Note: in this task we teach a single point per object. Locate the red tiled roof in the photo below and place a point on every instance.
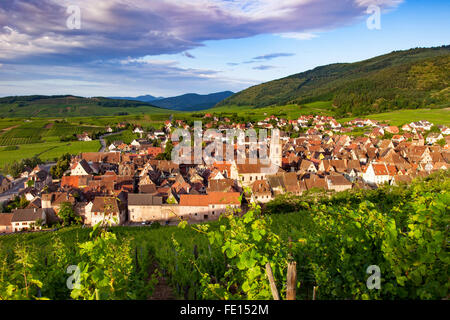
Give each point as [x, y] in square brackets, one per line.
[196, 200]
[380, 169]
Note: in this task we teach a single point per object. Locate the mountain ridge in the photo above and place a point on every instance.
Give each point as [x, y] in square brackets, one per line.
[184, 102]
[401, 79]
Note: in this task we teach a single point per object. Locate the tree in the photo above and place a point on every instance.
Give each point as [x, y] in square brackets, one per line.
[63, 164]
[68, 215]
[167, 154]
[441, 142]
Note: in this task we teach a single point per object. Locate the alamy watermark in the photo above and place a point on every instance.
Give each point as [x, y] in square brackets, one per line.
[374, 281]
[73, 281]
[241, 146]
[73, 22]
[373, 22]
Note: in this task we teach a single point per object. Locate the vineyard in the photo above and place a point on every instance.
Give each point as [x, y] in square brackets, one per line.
[403, 230]
[43, 138]
[23, 134]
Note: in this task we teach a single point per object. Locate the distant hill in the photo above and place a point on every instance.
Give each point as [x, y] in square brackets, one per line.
[401, 79]
[71, 106]
[192, 101]
[146, 98]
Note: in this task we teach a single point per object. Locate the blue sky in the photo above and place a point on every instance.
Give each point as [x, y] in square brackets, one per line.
[171, 47]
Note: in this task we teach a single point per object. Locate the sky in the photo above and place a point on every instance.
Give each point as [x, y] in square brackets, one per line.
[171, 47]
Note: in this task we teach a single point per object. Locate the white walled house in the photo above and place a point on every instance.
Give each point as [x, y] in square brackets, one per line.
[81, 168]
[377, 173]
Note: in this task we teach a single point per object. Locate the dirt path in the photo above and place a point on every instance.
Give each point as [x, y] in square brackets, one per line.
[10, 128]
[162, 290]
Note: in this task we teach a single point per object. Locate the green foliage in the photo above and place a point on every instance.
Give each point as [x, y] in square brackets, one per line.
[167, 154]
[333, 239]
[16, 168]
[441, 142]
[106, 269]
[63, 164]
[68, 215]
[20, 281]
[403, 230]
[247, 244]
[16, 203]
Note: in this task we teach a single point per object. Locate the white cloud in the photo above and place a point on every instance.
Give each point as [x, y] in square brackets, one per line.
[298, 35]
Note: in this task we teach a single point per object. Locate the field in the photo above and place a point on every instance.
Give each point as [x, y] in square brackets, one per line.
[126, 137]
[288, 111]
[400, 117]
[40, 137]
[47, 150]
[70, 106]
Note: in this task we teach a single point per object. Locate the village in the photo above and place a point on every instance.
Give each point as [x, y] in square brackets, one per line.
[138, 184]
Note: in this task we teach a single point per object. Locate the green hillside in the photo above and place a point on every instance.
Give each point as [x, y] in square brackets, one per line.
[399, 80]
[71, 106]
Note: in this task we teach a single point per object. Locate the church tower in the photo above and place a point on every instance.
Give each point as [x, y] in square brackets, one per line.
[275, 148]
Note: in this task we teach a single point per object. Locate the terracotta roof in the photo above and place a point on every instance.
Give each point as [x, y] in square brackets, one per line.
[261, 187]
[105, 204]
[380, 169]
[5, 219]
[338, 180]
[221, 185]
[228, 198]
[107, 157]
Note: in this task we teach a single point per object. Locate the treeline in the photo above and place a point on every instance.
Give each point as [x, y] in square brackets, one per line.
[16, 168]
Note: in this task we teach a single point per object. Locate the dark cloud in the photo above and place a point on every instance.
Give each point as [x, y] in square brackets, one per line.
[273, 56]
[262, 67]
[187, 54]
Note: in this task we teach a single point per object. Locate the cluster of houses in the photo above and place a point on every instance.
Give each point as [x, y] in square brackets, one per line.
[127, 184]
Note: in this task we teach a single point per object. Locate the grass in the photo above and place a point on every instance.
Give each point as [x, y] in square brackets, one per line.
[288, 111]
[47, 150]
[50, 108]
[126, 136]
[400, 117]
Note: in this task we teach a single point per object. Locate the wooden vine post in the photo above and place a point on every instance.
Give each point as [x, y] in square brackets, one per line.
[291, 281]
[273, 286]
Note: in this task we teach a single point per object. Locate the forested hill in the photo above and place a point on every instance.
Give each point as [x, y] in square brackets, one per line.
[401, 79]
[192, 101]
[71, 106]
